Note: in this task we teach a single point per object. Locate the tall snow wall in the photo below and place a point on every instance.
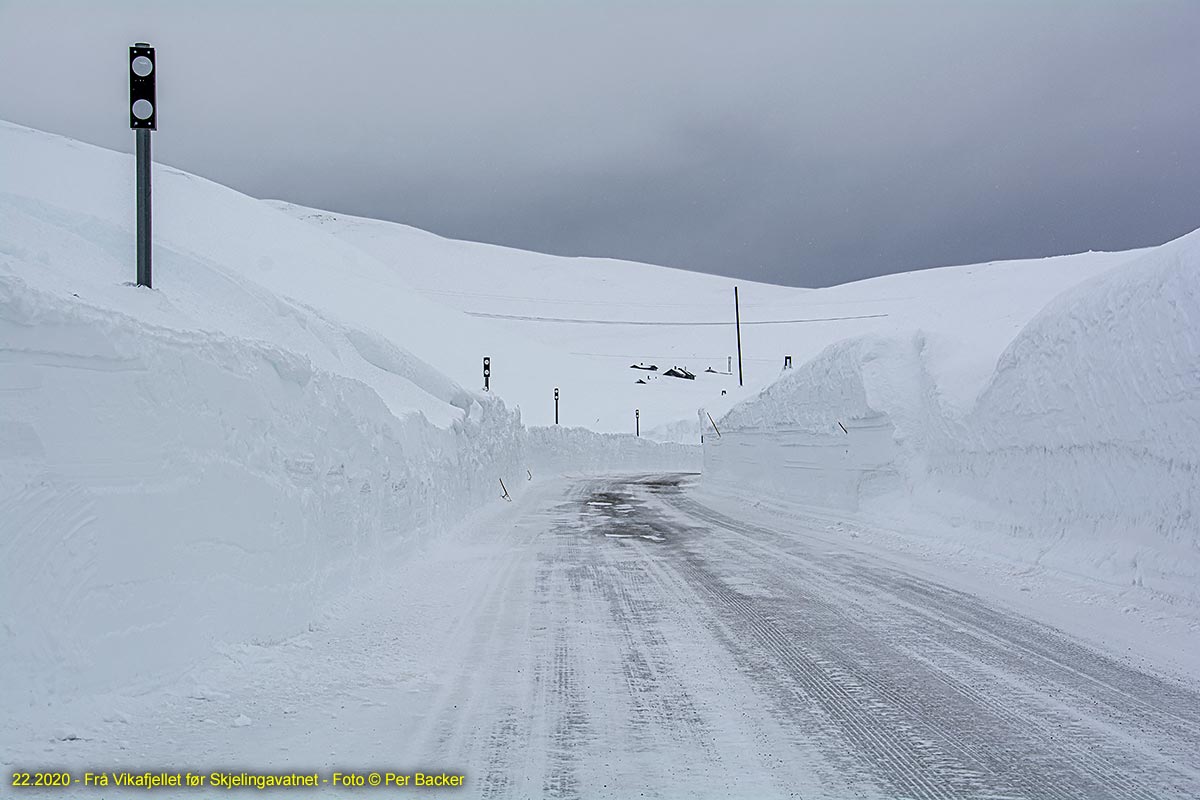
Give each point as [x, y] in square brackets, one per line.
[826, 433]
[1082, 452]
[164, 491]
[1090, 429]
[578, 450]
[213, 460]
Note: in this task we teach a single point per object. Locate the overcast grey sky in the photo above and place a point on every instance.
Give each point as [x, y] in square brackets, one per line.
[805, 143]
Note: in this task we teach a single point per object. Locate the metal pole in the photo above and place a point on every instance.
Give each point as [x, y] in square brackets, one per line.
[555, 406]
[737, 313]
[714, 424]
[142, 159]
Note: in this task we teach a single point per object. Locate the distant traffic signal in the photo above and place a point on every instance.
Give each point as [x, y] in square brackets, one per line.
[143, 118]
[143, 107]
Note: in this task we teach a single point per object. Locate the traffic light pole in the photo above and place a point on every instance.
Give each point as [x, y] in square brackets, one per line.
[143, 160]
[143, 119]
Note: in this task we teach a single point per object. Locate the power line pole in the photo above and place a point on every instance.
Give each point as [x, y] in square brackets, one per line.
[737, 314]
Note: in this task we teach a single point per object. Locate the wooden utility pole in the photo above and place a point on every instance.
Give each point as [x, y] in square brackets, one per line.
[737, 315]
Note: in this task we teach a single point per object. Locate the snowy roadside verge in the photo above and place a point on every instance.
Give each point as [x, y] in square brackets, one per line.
[163, 491]
[376, 653]
[1077, 459]
[167, 493]
[1151, 631]
[216, 459]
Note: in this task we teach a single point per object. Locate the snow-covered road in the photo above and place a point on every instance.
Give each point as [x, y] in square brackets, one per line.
[618, 638]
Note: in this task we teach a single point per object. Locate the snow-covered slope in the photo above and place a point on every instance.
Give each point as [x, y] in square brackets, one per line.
[1075, 448]
[666, 316]
[214, 459]
[226, 262]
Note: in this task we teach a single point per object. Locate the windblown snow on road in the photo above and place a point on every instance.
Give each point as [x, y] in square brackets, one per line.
[617, 637]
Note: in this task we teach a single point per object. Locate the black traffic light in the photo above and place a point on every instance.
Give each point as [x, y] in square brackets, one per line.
[143, 106]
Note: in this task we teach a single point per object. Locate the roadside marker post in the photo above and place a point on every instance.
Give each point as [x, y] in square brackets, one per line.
[487, 374]
[714, 424]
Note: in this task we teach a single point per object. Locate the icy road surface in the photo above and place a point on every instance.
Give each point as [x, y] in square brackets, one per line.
[616, 638]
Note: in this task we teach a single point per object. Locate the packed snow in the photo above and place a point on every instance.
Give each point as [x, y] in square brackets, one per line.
[1077, 451]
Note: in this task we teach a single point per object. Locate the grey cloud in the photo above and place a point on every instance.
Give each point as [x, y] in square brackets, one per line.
[803, 143]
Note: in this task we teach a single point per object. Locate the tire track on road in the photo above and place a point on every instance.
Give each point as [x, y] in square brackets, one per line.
[1065, 756]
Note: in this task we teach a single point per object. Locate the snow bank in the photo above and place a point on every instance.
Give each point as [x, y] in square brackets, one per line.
[1080, 452]
[210, 460]
[823, 434]
[213, 460]
[163, 491]
[1090, 429]
[560, 449]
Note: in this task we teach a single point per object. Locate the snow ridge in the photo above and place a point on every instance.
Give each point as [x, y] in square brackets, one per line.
[168, 491]
[1080, 453]
[217, 459]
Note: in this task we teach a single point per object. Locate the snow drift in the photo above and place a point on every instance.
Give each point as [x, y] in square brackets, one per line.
[1080, 451]
[1090, 429]
[578, 450]
[162, 491]
[823, 434]
[213, 460]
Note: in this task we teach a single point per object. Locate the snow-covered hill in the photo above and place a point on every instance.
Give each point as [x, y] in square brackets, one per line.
[643, 313]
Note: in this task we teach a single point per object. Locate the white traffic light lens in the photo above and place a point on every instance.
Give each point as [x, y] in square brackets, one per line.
[142, 67]
[142, 109]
